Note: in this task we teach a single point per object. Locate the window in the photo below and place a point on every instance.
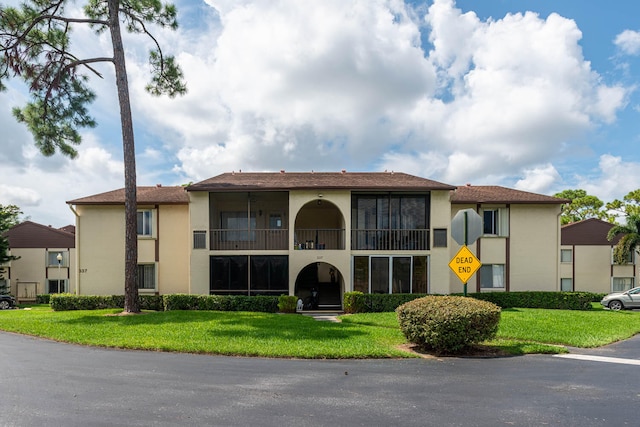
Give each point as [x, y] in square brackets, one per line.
[390, 274]
[566, 255]
[566, 285]
[492, 276]
[146, 276]
[629, 260]
[199, 239]
[241, 227]
[439, 237]
[144, 223]
[621, 284]
[56, 286]
[390, 221]
[52, 258]
[249, 275]
[495, 222]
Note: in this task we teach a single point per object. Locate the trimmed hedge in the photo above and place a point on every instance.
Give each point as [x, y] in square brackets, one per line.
[358, 302]
[535, 299]
[43, 298]
[448, 324]
[259, 303]
[64, 302]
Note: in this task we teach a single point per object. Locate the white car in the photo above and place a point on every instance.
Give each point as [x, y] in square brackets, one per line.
[622, 300]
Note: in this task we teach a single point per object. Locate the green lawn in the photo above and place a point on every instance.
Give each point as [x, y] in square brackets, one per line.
[377, 335]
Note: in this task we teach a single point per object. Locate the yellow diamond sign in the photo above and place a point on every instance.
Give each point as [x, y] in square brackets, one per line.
[464, 264]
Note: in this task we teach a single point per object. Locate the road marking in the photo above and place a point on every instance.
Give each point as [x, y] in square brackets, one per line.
[599, 359]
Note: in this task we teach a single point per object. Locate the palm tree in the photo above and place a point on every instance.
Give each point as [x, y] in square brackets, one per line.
[630, 240]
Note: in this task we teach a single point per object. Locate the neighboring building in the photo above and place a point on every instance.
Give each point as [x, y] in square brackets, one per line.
[46, 263]
[286, 233]
[163, 241]
[586, 259]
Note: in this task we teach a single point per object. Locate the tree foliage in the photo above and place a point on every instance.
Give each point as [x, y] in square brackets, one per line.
[35, 46]
[630, 241]
[629, 205]
[582, 206]
[9, 217]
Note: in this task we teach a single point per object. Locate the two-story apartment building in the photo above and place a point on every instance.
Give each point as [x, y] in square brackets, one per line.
[290, 232]
[46, 260]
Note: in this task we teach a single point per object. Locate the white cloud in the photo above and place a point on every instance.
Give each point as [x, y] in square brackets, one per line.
[539, 179]
[629, 42]
[613, 179]
[330, 85]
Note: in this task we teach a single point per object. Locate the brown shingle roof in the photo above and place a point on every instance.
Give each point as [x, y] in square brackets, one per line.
[33, 235]
[145, 195]
[496, 194]
[262, 181]
[590, 231]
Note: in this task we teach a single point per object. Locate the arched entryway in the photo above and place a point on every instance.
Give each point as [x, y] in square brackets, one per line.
[326, 280]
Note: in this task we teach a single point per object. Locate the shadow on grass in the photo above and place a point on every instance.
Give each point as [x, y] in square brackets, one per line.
[230, 324]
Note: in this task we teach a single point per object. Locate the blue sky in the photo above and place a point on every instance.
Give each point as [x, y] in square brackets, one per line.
[531, 94]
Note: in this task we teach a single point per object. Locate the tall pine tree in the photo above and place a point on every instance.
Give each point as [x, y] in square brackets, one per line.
[35, 47]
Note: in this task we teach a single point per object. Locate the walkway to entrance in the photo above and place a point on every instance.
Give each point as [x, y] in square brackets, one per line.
[326, 316]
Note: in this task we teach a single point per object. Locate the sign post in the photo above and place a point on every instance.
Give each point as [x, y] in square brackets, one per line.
[466, 227]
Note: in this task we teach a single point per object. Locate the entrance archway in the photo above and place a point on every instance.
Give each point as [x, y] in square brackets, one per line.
[326, 280]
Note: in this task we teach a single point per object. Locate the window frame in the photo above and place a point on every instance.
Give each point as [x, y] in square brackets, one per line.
[564, 251]
[147, 227]
[613, 284]
[570, 281]
[493, 275]
[154, 276]
[499, 222]
[630, 261]
[52, 258]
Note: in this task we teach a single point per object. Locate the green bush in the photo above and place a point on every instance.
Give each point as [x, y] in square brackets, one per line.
[448, 324]
[354, 302]
[287, 303]
[358, 302]
[539, 299]
[43, 298]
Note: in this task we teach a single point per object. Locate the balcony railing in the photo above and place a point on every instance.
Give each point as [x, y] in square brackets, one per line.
[319, 238]
[390, 240]
[247, 240]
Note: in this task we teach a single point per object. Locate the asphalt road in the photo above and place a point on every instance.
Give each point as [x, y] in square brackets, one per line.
[45, 383]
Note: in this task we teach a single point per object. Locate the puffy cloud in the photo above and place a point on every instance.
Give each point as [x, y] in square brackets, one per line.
[539, 179]
[628, 42]
[613, 179]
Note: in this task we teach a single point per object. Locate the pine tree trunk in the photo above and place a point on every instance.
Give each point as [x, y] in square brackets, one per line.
[131, 302]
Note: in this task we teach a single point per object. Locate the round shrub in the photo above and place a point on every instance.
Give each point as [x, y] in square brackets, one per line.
[448, 324]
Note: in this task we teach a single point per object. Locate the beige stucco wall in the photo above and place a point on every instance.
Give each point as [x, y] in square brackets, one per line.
[173, 249]
[592, 269]
[199, 261]
[299, 259]
[534, 241]
[100, 243]
[440, 277]
[32, 268]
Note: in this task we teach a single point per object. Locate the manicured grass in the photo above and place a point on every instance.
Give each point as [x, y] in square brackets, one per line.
[227, 333]
[375, 335]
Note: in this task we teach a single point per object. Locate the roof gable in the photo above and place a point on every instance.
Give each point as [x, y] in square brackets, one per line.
[590, 231]
[269, 181]
[497, 194]
[145, 195]
[33, 235]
